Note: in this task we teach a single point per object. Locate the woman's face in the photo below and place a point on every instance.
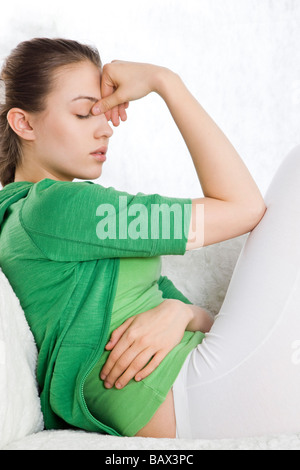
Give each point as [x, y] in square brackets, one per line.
[69, 141]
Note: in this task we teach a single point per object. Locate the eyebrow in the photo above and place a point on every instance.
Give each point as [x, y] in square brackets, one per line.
[90, 98]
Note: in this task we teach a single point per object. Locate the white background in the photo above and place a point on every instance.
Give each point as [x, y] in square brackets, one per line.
[240, 58]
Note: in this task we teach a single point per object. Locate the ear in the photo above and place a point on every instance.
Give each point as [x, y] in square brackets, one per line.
[19, 122]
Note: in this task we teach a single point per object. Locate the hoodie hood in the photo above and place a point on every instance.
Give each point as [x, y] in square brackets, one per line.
[12, 193]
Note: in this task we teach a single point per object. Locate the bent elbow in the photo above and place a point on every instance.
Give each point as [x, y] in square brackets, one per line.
[256, 213]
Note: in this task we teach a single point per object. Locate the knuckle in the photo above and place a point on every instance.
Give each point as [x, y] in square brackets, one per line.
[106, 67]
[131, 336]
[121, 97]
[121, 364]
[143, 341]
[105, 105]
[113, 357]
[137, 364]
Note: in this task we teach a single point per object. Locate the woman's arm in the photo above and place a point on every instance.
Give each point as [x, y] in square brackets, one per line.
[232, 202]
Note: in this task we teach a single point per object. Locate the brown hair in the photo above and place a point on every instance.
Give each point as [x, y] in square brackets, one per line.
[27, 78]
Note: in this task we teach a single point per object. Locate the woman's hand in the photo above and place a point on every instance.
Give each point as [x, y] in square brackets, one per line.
[122, 82]
[140, 344]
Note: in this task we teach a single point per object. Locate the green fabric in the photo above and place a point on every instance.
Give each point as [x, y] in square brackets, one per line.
[130, 409]
[65, 278]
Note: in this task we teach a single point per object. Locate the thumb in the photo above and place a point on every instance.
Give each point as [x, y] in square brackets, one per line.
[106, 104]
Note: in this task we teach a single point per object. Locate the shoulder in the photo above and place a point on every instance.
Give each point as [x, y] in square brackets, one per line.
[53, 192]
[50, 188]
[54, 199]
[57, 200]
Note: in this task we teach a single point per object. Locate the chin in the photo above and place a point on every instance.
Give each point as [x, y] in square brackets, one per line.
[90, 175]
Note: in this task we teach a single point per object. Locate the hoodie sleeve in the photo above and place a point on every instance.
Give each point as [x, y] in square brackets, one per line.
[170, 291]
[85, 221]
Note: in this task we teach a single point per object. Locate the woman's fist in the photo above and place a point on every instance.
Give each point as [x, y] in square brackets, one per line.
[122, 82]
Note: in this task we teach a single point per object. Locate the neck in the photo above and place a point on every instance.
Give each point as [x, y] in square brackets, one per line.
[34, 174]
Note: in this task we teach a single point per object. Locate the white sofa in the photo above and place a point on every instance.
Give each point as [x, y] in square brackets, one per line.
[202, 275]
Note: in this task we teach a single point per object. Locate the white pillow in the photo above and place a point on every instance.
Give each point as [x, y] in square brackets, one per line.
[20, 412]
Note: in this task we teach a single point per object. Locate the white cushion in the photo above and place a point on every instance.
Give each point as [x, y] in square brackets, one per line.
[20, 413]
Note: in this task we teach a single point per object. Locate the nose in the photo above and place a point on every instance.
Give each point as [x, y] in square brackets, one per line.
[102, 129]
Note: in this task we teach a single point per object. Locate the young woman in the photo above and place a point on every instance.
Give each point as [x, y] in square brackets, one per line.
[85, 274]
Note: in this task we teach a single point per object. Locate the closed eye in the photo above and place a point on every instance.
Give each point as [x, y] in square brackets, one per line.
[79, 116]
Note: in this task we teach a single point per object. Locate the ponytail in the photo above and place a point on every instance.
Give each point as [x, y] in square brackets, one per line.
[10, 149]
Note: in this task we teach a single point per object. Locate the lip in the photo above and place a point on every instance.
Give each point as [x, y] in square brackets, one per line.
[100, 154]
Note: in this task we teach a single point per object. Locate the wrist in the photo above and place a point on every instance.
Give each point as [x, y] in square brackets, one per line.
[163, 80]
[201, 320]
[180, 310]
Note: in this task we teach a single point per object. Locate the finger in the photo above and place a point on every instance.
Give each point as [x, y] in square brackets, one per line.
[96, 110]
[120, 366]
[108, 115]
[135, 367]
[123, 343]
[118, 333]
[108, 370]
[150, 367]
[108, 103]
[115, 116]
[122, 112]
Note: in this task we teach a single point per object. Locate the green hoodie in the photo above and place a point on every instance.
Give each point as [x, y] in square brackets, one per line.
[64, 272]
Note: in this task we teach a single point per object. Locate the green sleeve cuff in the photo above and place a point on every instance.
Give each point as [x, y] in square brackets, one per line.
[170, 291]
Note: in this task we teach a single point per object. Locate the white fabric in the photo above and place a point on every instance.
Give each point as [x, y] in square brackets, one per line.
[20, 413]
[79, 440]
[244, 379]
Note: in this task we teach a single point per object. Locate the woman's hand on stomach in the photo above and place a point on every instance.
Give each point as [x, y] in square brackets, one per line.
[140, 344]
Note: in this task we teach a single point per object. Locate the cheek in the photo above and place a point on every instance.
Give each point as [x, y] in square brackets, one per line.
[70, 134]
[58, 133]
[62, 139]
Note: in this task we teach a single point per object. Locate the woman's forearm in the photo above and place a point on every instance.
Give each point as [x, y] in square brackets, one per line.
[223, 176]
[220, 170]
[201, 321]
